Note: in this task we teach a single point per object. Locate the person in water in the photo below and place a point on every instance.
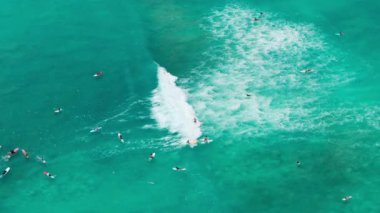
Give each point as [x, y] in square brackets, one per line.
[346, 198]
[205, 139]
[98, 74]
[11, 153]
[195, 120]
[120, 136]
[5, 172]
[41, 159]
[152, 156]
[58, 110]
[178, 168]
[298, 163]
[25, 153]
[49, 175]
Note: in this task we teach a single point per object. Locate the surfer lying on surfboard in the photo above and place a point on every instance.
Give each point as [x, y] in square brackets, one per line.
[152, 156]
[307, 71]
[5, 172]
[98, 74]
[120, 136]
[58, 110]
[176, 168]
[25, 153]
[11, 153]
[49, 175]
[41, 159]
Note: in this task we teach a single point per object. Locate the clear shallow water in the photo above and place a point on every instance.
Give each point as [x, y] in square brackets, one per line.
[328, 119]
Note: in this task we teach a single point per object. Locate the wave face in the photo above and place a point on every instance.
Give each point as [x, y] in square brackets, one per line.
[170, 107]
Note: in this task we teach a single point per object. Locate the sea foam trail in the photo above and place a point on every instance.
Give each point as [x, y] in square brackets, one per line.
[170, 107]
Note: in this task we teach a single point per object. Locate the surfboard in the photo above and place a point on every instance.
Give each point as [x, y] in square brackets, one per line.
[97, 129]
[6, 172]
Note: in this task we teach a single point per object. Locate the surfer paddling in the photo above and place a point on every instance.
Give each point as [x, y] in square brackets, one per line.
[307, 71]
[11, 153]
[98, 74]
[206, 140]
[120, 136]
[346, 198]
[48, 174]
[25, 153]
[176, 168]
[152, 156]
[58, 110]
[41, 159]
[5, 172]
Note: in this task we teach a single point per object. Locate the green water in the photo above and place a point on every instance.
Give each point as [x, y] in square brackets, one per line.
[328, 119]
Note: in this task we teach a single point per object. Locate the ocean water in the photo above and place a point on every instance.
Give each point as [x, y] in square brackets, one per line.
[167, 62]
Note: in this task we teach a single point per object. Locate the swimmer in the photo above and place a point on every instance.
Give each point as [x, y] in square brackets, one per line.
[58, 110]
[347, 198]
[298, 163]
[340, 34]
[5, 172]
[261, 14]
[152, 156]
[195, 120]
[98, 74]
[248, 95]
[176, 168]
[25, 153]
[41, 159]
[256, 19]
[11, 153]
[49, 175]
[120, 136]
[96, 129]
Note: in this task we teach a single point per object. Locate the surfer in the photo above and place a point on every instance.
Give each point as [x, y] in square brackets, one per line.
[120, 136]
[11, 153]
[340, 34]
[205, 139]
[256, 19]
[49, 175]
[5, 172]
[152, 156]
[307, 71]
[25, 153]
[176, 168]
[41, 159]
[58, 110]
[248, 95]
[98, 74]
[346, 198]
[96, 129]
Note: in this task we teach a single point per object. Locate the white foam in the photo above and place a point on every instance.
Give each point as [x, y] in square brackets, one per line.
[170, 107]
[263, 59]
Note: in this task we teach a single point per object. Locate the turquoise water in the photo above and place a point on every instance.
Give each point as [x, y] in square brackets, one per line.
[328, 119]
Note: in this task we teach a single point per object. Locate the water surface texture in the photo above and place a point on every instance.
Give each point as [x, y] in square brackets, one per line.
[235, 66]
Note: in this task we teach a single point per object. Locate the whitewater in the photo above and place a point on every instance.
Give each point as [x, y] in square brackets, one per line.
[171, 109]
